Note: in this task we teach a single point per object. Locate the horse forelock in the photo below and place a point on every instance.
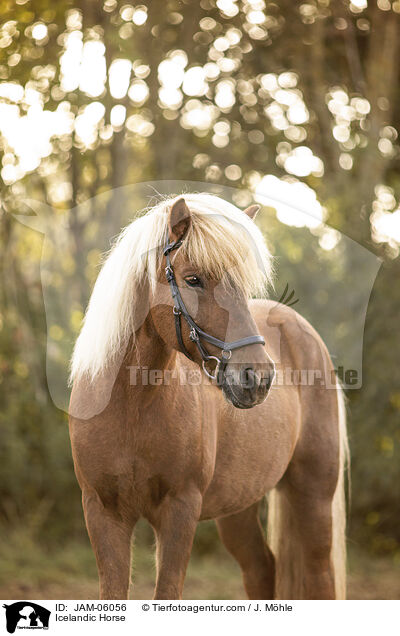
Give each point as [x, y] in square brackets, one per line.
[221, 242]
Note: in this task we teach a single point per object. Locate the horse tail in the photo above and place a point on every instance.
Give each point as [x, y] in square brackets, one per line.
[281, 521]
[338, 551]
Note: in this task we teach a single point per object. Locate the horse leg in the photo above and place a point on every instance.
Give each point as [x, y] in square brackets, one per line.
[306, 520]
[243, 537]
[110, 536]
[301, 523]
[175, 527]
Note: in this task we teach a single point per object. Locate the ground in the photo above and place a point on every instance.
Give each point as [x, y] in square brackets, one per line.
[69, 572]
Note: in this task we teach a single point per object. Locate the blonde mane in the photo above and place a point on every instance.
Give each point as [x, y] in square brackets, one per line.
[222, 243]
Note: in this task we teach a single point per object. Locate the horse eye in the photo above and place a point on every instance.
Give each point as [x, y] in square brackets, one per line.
[193, 281]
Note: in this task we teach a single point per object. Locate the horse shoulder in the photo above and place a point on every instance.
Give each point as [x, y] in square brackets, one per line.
[299, 350]
[290, 338]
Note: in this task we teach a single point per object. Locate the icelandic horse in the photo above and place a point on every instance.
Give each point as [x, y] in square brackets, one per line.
[177, 414]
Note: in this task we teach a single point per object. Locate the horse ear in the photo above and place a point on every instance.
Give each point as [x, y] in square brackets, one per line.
[179, 220]
[252, 210]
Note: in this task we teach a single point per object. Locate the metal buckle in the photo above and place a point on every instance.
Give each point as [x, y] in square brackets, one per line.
[176, 311]
[226, 354]
[194, 336]
[208, 374]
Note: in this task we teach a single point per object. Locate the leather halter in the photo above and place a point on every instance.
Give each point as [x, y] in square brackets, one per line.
[196, 333]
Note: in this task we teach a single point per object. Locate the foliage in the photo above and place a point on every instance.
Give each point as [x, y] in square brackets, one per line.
[224, 92]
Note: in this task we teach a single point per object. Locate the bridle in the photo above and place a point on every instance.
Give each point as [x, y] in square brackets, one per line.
[196, 333]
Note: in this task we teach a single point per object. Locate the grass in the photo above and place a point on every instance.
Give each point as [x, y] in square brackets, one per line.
[29, 570]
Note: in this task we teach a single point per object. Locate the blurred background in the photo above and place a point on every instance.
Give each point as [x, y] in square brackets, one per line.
[294, 104]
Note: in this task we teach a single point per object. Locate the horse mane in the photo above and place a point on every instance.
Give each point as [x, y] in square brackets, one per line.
[222, 243]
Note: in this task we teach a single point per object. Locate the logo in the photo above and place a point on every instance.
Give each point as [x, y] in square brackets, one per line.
[26, 615]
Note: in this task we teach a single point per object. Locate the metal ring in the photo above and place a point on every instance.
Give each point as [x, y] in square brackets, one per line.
[208, 374]
[226, 351]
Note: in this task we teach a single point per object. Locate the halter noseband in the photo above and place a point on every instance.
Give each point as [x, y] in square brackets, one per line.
[197, 334]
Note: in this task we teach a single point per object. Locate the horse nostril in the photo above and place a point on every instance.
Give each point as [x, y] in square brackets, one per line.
[256, 383]
[249, 378]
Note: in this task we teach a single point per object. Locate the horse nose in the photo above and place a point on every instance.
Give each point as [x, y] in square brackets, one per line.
[257, 383]
[247, 385]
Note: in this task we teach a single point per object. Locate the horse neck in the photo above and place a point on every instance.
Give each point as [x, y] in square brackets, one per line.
[149, 351]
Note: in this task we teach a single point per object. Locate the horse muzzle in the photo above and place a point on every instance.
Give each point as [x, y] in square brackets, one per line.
[246, 385]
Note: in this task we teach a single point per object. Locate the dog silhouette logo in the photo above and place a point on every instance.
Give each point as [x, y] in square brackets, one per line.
[26, 615]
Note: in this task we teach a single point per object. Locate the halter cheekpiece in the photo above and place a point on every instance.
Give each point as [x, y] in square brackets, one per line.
[196, 333]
